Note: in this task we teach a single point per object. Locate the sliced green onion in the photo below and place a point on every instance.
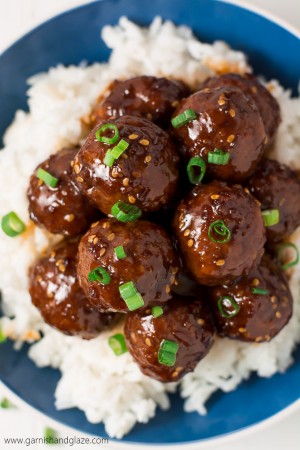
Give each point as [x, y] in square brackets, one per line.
[182, 119]
[50, 436]
[12, 225]
[108, 126]
[224, 305]
[119, 149]
[131, 296]
[281, 250]
[117, 344]
[5, 403]
[260, 291]
[195, 175]
[2, 336]
[167, 352]
[108, 159]
[47, 178]
[99, 274]
[219, 227]
[218, 157]
[157, 311]
[120, 252]
[270, 217]
[125, 212]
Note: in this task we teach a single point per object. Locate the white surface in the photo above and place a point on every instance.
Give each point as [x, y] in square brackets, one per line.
[19, 16]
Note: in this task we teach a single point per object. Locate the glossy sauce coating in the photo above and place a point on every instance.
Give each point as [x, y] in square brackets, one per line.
[267, 104]
[226, 120]
[62, 209]
[213, 263]
[185, 321]
[276, 186]
[145, 175]
[145, 96]
[56, 293]
[260, 317]
[150, 262]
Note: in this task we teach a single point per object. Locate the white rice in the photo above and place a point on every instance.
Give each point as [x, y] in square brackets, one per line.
[109, 389]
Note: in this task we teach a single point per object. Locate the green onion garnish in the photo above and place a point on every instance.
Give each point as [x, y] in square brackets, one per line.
[50, 436]
[108, 126]
[167, 352]
[12, 225]
[219, 227]
[224, 305]
[2, 336]
[5, 403]
[99, 274]
[182, 119]
[119, 149]
[157, 311]
[120, 252]
[131, 296]
[125, 212]
[117, 344]
[282, 248]
[108, 159]
[47, 178]
[270, 217]
[260, 291]
[196, 169]
[218, 157]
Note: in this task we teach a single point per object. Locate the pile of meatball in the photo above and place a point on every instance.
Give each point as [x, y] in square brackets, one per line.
[172, 218]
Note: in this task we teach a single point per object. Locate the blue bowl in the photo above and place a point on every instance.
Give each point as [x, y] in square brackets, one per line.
[73, 37]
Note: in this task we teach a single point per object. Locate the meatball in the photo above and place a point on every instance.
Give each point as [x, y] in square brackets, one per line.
[148, 266]
[256, 307]
[145, 175]
[267, 104]
[152, 98]
[185, 322]
[227, 122]
[276, 186]
[220, 232]
[61, 209]
[55, 291]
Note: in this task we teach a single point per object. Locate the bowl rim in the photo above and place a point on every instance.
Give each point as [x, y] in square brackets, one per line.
[203, 444]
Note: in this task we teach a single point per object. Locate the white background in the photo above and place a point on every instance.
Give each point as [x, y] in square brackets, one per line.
[19, 16]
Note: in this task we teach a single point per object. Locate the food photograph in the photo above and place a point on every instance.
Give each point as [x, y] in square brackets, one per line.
[150, 224]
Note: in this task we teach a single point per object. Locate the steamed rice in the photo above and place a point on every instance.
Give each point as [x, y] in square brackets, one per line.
[111, 390]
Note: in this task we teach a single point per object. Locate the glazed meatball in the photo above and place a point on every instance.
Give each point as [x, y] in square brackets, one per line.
[276, 186]
[226, 121]
[185, 322]
[149, 263]
[56, 293]
[267, 104]
[145, 175]
[256, 307]
[220, 232]
[61, 209]
[152, 98]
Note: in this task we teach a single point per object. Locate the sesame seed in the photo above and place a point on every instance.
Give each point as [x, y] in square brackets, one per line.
[52, 254]
[133, 337]
[172, 279]
[187, 232]
[79, 179]
[282, 201]
[257, 202]
[124, 156]
[255, 282]
[254, 89]
[72, 163]
[40, 182]
[136, 174]
[144, 142]
[131, 199]
[148, 342]
[267, 337]
[230, 138]
[220, 262]
[214, 197]
[39, 279]
[181, 225]
[190, 243]
[232, 112]
[246, 191]
[149, 116]
[95, 240]
[168, 289]
[91, 238]
[278, 315]
[111, 236]
[175, 270]
[148, 158]
[62, 267]
[125, 182]
[106, 225]
[59, 261]
[102, 251]
[94, 224]
[50, 294]
[114, 172]
[180, 217]
[69, 217]
[259, 339]
[201, 322]
[175, 103]
[242, 330]
[76, 168]
[273, 299]
[176, 282]
[221, 100]
[133, 136]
